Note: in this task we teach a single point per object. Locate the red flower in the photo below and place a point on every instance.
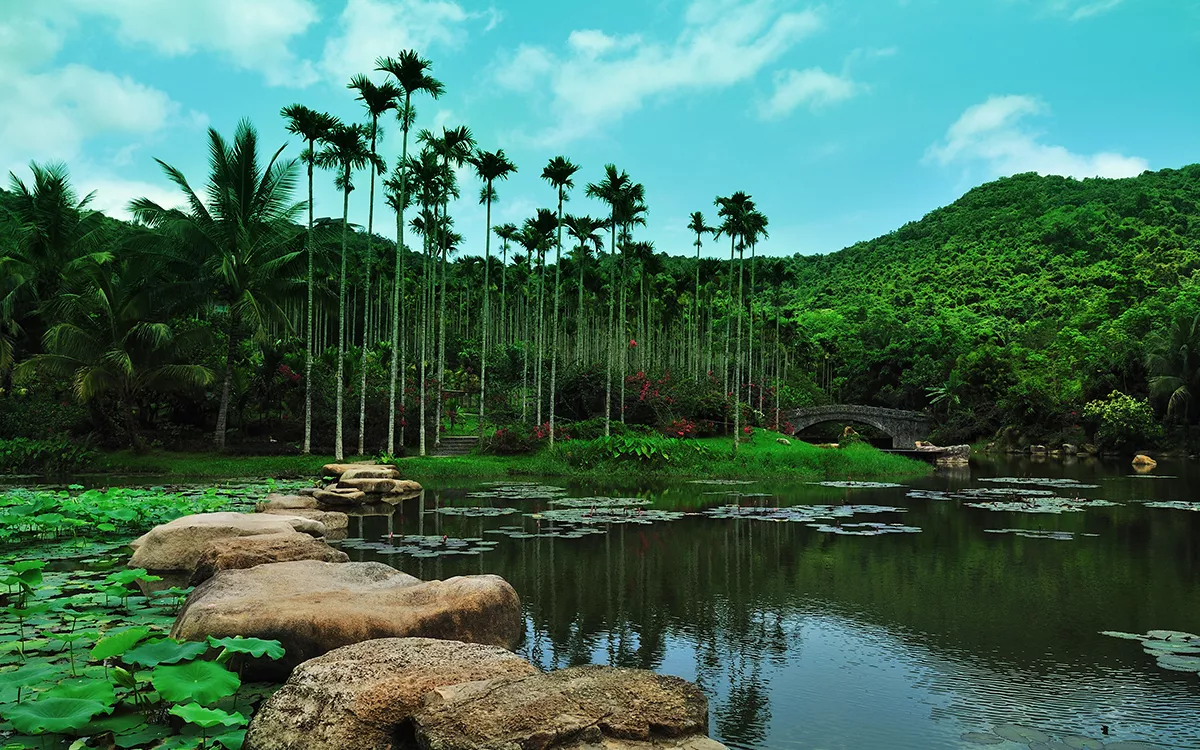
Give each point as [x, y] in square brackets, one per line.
[632, 344]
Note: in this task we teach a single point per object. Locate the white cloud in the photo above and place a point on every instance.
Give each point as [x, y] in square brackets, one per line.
[1077, 10]
[813, 87]
[369, 29]
[253, 35]
[600, 78]
[992, 134]
[113, 193]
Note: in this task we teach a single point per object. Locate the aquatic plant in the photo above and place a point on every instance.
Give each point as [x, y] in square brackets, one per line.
[1173, 505]
[851, 485]
[1061, 536]
[480, 511]
[599, 502]
[421, 546]
[864, 529]
[607, 515]
[1172, 649]
[798, 513]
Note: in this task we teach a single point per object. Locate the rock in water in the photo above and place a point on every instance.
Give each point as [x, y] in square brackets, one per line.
[314, 607]
[369, 472]
[333, 520]
[178, 545]
[376, 486]
[581, 707]
[236, 553]
[337, 469]
[1142, 461]
[357, 697]
[276, 501]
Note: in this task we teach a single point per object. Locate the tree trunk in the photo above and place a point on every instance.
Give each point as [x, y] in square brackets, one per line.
[487, 310]
[341, 364]
[612, 299]
[737, 363]
[441, 361]
[362, 393]
[554, 321]
[308, 352]
[223, 411]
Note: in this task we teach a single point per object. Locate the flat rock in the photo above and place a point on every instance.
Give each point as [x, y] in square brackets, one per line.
[334, 496]
[178, 545]
[235, 553]
[337, 469]
[286, 502]
[332, 519]
[580, 707]
[314, 607]
[373, 486]
[358, 696]
[1144, 461]
[369, 472]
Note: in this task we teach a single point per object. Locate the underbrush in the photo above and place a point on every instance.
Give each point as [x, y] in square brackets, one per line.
[45, 456]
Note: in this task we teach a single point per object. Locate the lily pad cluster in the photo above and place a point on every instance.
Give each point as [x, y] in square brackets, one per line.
[1051, 505]
[476, 511]
[853, 485]
[865, 529]
[1052, 482]
[1013, 499]
[84, 654]
[1173, 505]
[798, 513]
[597, 516]
[721, 482]
[599, 502]
[1036, 739]
[1173, 649]
[414, 545]
[525, 491]
[1061, 536]
[548, 532]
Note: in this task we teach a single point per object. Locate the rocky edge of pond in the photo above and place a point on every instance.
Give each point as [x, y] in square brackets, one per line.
[377, 659]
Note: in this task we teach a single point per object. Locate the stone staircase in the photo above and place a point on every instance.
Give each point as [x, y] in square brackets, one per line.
[456, 445]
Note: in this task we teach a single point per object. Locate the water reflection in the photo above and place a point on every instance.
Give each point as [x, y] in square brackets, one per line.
[810, 640]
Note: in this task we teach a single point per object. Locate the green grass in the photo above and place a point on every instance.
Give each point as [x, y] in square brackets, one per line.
[213, 465]
[760, 458]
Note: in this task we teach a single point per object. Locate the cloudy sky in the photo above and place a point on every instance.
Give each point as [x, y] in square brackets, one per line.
[843, 119]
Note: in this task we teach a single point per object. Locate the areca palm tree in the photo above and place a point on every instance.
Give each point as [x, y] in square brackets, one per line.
[631, 211]
[586, 232]
[454, 147]
[345, 151]
[558, 173]
[377, 100]
[489, 166]
[426, 175]
[754, 229]
[733, 211]
[506, 233]
[610, 190]
[239, 241]
[108, 343]
[697, 224]
[540, 231]
[411, 72]
[312, 127]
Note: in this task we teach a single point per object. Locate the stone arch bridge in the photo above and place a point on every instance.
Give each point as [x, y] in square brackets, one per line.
[905, 428]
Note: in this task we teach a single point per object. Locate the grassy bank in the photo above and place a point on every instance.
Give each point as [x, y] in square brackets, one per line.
[212, 465]
[760, 458]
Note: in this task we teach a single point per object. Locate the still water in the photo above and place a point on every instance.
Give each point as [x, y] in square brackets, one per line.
[949, 637]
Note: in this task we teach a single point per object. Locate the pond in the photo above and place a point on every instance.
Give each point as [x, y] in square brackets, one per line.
[950, 612]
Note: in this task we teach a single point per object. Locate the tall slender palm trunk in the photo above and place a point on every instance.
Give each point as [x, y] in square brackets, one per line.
[612, 298]
[441, 360]
[737, 364]
[366, 331]
[398, 296]
[728, 323]
[541, 332]
[554, 321]
[308, 351]
[423, 358]
[341, 365]
[487, 307]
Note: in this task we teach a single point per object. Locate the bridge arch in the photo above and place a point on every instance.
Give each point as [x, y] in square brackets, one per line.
[905, 428]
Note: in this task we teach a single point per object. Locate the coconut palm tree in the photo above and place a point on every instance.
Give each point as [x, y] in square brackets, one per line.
[312, 127]
[610, 190]
[108, 343]
[377, 100]
[700, 227]
[1173, 360]
[345, 151]
[489, 166]
[239, 241]
[411, 72]
[558, 173]
[454, 147]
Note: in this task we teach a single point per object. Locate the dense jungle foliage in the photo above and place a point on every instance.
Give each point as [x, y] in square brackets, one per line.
[1030, 310]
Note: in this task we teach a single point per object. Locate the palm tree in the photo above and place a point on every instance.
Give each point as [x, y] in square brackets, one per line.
[558, 173]
[1174, 364]
[345, 150]
[754, 228]
[631, 211]
[312, 127]
[427, 175]
[506, 233]
[240, 240]
[454, 147]
[489, 166]
[540, 229]
[610, 190]
[585, 231]
[411, 72]
[701, 228]
[377, 100]
[733, 210]
[107, 342]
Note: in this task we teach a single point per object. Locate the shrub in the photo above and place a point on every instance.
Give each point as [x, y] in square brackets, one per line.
[1122, 422]
[508, 441]
[651, 451]
[53, 456]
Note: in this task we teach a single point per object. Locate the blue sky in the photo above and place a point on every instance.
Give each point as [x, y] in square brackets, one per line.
[843, 119]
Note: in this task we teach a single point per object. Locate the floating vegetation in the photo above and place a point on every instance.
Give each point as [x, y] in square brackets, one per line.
[562, 532]
[1173, 649]
[720, 482]
[607, 515]
[476, 511]
[422, 546]
[1151, 476]
[1060, 536]
[1054, 505]
[798, 513]
[865, 529]
[527, 491]
[1173, 505]
[599, 502]
[1057, 483]
[852, 485]
[1002, 734]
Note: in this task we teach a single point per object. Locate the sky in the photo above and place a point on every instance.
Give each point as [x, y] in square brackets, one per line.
[843, 119]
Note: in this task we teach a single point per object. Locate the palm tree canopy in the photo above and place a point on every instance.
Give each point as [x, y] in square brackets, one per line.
[559, 172]
[346, 150]
[309, 124]
[610, 189]
[411, 72]
[698, 226]
[492, 165]
[584, 230]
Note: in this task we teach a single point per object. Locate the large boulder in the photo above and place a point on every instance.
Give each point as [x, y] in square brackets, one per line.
[379, 486]
[1143, 463]
[336, 496]
[580, 707]
[337, 469]
[314, 607]
[334, 521]
[236, 553]
[358, 697]
[178, 545]
[369, 472]
[276, 502]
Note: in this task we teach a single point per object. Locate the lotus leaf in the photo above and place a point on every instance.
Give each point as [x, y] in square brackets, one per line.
[1080, 742]
[202, 681]
[256, 647]
[119, 642]
[481, 511]
[28, 675]
[1121, 634]
[1174, 505]
[54, 715]
[84, 687]
[851, 485]
[1018, 733]
[864, 529]
[1172, 635]
[207, 718]
[230, 740]
[164, 651]
[1180, 662]
[599, 502]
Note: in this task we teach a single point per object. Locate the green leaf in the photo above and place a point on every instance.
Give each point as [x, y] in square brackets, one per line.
[201, 681]
[55, 715]
[28, 675]
[123, 678]
[84, 687]
[118, 643]
[255, 647]
[230, 740]
[165, 651]
[207, 718]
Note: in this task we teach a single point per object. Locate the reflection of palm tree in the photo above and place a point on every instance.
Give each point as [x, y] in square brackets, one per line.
[1174, 364]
